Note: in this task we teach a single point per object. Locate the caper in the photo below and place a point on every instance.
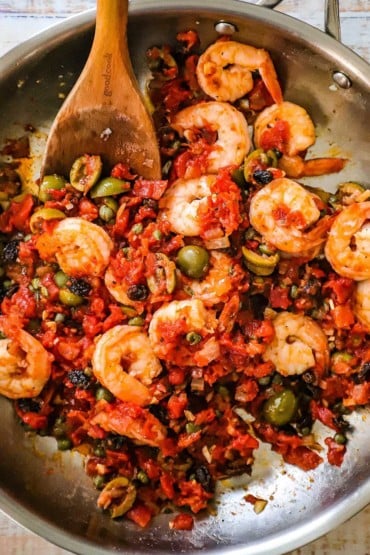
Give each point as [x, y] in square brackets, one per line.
[193, 261]
[60, 278]
[64, 444]
[109, 186]
[85, 172]
[340, 439]
[193, 337]
[142, 477]
[68, 298]
[49, 183]
[106, 213]
[280, 408]
[99, 451]
[99, 481]
[102, 394]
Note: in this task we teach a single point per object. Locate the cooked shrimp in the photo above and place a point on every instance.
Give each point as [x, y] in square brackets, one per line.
[361, 305]
[217, 284]
[118, 289]
[348, 245]
[132, 421]
[81, 248]
[224, 71]
[299, 345]
[233, 141]
[288, 128]
[175, 325]
[124, 363]
[284, 213]
[182, 203]
[25, 365]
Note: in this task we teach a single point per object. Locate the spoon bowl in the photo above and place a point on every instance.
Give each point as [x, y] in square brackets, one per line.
[105, 113]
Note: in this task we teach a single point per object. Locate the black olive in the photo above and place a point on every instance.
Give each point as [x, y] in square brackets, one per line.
[79, 287]
[159, 412]
[29, 405]
[10, 251]
[151, 203]
[263, 176]
[309, 377]
[363, 374]
[79, 379]
[137, 292]
[203, 476]
[116, 442]
[258, 304]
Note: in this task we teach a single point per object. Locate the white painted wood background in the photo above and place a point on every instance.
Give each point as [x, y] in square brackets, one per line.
[19, 19]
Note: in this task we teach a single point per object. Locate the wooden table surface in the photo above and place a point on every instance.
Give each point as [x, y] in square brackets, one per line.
[19, 19]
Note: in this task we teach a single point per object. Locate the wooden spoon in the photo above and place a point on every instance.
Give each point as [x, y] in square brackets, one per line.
[104, 113]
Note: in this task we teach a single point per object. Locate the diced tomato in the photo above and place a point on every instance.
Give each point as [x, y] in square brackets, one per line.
[16, 217]
[167, 484]
[36, 421]
[341, 287]
[140, 514]
[276, 136]
[343, 316]
[177, 404]
[336, 452]
[324, 414]
[183, 521]
[154, 189]
[279, 297]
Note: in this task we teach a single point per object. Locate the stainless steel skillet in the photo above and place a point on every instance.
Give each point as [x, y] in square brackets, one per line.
[50, 494]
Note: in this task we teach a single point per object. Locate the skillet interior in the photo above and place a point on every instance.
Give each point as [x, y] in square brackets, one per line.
[50, 494]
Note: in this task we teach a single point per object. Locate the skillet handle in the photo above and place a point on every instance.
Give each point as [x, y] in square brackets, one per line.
[332, 20]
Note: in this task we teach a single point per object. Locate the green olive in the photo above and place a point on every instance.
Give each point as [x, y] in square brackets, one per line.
[44, 214]
[49, 183]
[124, 494]
[280, 408]
[103, 394]
[193, 261]
[260, 264]
[60, 278]
[109, 186]
[164, 276]
[85, 172]
[68, 298]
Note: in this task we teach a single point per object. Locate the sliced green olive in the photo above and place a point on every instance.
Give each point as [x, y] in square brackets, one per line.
[164, 276]
[122, 493]
[350, 189]
[49, 183]
[60, 278]
[193, 261]
[259, 264]
[323, 195]
[44, 214]
[280, 408]
[109, 186]
[85, 172]
[68, 298]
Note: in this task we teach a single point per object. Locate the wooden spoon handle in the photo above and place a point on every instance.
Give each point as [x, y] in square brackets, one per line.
[109, 56]
[111, 26]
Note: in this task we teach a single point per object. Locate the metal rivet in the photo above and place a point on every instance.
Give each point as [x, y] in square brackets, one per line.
[342, 80]
[225, 28]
